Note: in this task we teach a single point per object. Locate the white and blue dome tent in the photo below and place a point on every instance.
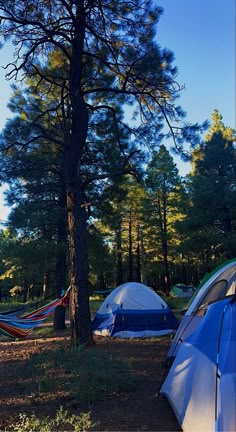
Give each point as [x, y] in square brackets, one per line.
[216, 285]
[134, 310]
[201, 384]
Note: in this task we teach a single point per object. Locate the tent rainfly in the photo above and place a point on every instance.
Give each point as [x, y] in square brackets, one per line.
[134, 310]
[201, 384]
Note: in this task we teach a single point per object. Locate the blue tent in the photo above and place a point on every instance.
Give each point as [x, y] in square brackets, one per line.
[134, 310]
[217, 285]
[201, 384]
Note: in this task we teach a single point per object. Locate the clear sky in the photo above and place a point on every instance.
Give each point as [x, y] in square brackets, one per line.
[201, 33]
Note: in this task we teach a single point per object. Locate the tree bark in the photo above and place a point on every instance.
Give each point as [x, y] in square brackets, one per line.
[46, 284]
[166, 267]
[59, 318]
[79, 298]
[25, 290]
[138, 256]
[119, 272]
[59, 314]
[130, 269]
[61, 267]
[74, 146]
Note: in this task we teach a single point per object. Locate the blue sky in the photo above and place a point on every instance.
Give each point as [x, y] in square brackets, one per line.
[201, 33]
[202, 36]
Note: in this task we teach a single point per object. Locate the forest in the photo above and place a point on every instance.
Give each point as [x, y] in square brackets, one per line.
[96, 195]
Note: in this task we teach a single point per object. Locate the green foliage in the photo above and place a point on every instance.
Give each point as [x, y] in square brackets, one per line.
[164, 206]
[23, 260]
[176, 303]
[211, 218]
[63, 419]
[10, 305]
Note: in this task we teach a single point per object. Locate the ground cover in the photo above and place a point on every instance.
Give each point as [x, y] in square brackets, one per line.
[113, 386]
[115, 383]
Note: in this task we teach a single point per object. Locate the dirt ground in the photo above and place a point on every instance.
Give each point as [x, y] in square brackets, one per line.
[142, 409]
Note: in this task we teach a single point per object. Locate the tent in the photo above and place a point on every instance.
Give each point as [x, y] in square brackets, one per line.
[201, 384]
[182, 290]
[134, 310]
[220, 283]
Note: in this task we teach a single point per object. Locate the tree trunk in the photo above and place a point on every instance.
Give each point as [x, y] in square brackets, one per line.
[164, 241]
[74, 147]
[59, 318]
[25, 291]
[119, 273]
[141, 255]
[46, 284]
[61, 251]
[138, 256]
[101, 282]
[130, 269]
[167, 273]
[77, 229]
[59, 314]
[79, 298]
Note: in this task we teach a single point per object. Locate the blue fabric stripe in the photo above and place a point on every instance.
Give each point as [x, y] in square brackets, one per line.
[159, 320]
[105, 316]
[143, 311]
[135, 320]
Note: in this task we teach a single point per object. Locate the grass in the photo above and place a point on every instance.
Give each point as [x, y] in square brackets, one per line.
[45, 331]
[10, 305]
[84, 375]
[95, 303]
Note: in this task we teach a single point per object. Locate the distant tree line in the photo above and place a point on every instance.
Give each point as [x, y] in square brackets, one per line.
[156, 228]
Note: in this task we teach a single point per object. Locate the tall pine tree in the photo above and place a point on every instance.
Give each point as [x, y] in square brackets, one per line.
[211, 221]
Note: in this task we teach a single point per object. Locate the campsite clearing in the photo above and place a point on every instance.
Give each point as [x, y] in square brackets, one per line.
[139, 409]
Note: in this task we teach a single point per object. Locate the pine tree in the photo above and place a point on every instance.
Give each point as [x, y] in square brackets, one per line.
[34, 172]
[163, 207]
[211, 218]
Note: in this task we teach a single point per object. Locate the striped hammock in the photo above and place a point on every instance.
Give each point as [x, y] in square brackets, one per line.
[18, 325]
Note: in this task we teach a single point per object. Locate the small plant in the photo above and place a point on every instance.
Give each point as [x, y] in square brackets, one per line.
[62, 419]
